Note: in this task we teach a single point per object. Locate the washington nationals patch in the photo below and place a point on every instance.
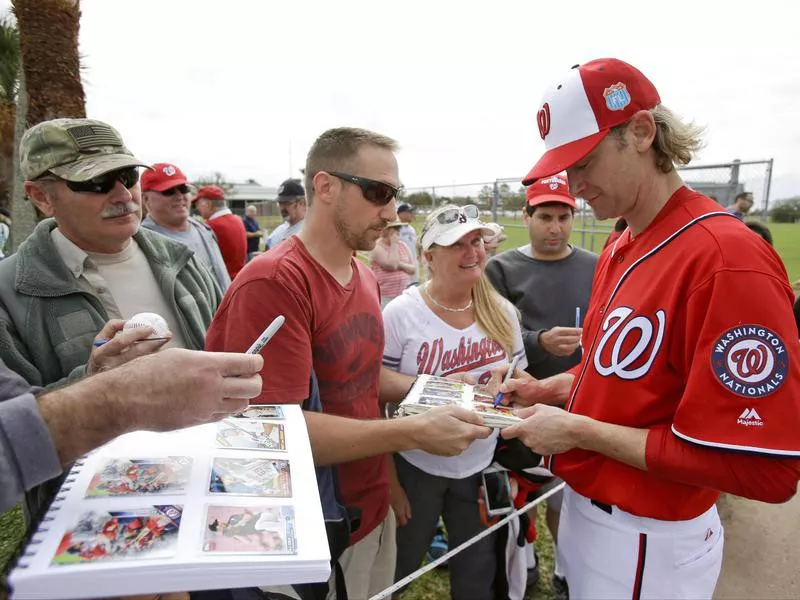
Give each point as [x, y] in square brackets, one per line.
[750, 360]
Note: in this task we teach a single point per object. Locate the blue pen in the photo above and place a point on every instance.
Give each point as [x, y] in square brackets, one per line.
[499, 398]
[100, 342]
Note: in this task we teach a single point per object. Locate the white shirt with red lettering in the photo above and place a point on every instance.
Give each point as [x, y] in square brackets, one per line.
[418, 341]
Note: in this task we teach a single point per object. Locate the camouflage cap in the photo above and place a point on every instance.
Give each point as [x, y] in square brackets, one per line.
[73, 149]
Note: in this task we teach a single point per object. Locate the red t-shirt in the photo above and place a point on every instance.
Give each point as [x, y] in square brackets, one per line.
[232, 240]
[699, 337]
[337, 327]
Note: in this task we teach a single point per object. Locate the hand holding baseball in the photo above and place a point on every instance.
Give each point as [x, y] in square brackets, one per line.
[118, 342]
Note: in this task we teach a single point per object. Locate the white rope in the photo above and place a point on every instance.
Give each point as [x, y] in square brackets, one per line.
[432, 565]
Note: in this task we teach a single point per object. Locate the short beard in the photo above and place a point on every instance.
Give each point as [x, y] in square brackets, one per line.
[354, 241]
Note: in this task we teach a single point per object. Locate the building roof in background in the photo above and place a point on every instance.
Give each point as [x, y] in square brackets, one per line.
[253, 192]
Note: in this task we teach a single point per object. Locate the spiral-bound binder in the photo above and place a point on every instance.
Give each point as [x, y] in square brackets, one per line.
[226, 505]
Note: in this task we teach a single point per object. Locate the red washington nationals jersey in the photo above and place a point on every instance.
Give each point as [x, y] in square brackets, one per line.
[690, 325]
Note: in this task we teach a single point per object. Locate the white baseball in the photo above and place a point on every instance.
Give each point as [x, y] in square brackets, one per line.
[146, 319]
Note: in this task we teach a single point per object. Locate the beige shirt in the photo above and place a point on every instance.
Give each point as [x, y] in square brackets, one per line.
[123, 282]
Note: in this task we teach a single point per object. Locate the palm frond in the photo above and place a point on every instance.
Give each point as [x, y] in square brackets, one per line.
[9, 59]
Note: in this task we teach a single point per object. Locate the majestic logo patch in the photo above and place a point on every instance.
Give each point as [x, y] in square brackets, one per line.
[617, 96]
[750, 360]
[169, 171]
[543, 120]
[750, 418]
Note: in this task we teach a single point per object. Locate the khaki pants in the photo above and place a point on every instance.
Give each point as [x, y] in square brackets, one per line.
[368, 565]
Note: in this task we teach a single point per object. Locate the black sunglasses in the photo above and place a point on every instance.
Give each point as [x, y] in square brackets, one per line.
[102, 184]
[183, 189]
[377, 192]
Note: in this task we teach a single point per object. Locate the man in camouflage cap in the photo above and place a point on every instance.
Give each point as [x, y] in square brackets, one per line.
[91, 262]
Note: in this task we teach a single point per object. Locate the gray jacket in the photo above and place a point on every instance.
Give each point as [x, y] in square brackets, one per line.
[27, 454]
[48, 324]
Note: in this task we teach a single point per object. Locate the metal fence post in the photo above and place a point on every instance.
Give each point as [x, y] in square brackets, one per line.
[767, 186]
[495, 200]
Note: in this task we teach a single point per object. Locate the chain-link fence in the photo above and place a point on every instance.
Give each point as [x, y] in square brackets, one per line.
[502, 200]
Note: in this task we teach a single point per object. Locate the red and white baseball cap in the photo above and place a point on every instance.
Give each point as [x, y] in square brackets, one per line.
[549, 189]
[162, 177]
[580, 109]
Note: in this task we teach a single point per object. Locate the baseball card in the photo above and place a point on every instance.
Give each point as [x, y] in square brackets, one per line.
[261, 412]
[251, 477]
[147, 532]
[442, 393]
[443, 383]
[436, 401]
[141, 476]
[489, 409]
[481, 395]
[250, 434]
[250, 530]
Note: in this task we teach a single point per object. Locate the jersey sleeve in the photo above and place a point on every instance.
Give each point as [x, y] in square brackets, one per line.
[244, 315]
[743, 370]
[394, 315]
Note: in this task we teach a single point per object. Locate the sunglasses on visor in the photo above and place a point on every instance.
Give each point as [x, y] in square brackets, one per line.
[461, 214]
[377, 192]
[102, 184]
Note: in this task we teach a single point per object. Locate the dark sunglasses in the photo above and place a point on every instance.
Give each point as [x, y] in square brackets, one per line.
[102, 184]
[183, 189]
[377, 192]
[451, 215]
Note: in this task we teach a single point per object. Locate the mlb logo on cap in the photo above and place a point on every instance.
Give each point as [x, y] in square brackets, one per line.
[580, 109]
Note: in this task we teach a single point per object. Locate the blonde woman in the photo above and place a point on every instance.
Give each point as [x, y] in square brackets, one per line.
[453, 323]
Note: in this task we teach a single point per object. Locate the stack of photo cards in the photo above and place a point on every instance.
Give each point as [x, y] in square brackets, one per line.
[226, 505]
[429, 391]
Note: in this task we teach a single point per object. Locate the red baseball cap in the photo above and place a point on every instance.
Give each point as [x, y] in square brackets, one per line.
[549, 189]
[580, 109]
[162, 177]
[212, 192]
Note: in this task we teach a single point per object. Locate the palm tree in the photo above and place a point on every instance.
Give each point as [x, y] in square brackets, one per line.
[50, 82]
[9, 83]
[48, 37]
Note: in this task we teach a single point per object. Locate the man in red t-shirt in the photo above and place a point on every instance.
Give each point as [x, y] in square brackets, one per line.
[690, 379]
[331, 304]
[229, 229]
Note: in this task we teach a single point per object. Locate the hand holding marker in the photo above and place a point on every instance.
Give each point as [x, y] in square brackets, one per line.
[265, 337]
[499, 398]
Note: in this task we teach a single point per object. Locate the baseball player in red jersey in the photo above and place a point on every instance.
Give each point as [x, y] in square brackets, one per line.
[690, 380]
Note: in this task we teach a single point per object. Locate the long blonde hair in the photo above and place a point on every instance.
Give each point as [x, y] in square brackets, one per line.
[676, 141]
[490, 314]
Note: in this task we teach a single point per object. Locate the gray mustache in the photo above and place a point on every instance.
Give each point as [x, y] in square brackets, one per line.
[119, 210]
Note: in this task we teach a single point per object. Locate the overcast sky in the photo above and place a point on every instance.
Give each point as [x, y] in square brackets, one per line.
[244, 87]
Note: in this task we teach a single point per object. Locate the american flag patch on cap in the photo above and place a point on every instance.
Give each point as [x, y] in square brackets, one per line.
[90, 136]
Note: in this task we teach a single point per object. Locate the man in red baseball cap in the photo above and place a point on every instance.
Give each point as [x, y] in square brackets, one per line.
[229, 229]
[165, 192]
[690, 379]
